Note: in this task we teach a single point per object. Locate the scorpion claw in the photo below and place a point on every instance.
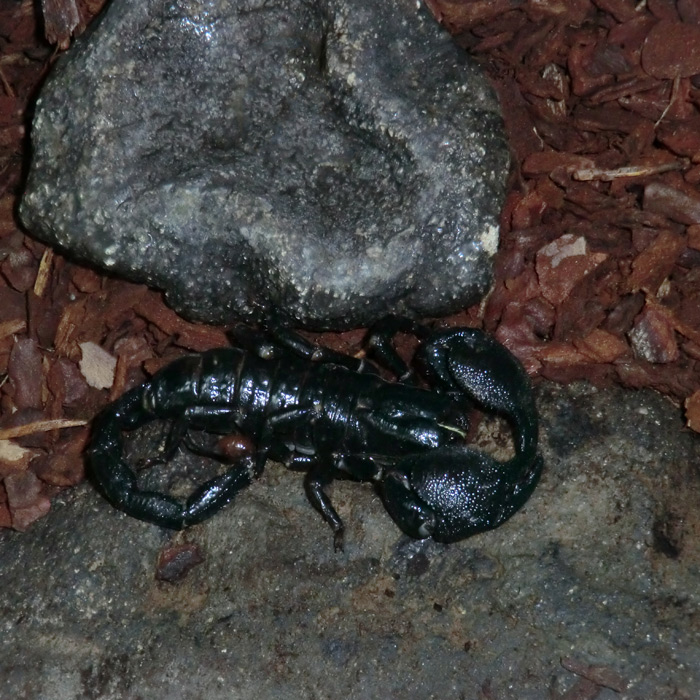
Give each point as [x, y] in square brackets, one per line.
[469, 361]
[452, 493]
[411, 514]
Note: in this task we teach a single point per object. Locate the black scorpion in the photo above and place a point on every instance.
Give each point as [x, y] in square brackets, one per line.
[332, 416]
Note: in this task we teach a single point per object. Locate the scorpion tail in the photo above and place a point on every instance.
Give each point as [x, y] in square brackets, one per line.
[117, 481]
[112, 474]
[451, 493]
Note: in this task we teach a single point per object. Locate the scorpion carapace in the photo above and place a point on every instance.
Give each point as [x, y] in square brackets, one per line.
[332, 416]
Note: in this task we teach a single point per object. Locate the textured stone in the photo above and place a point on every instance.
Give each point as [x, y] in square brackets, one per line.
[601, 567]
[330, 160]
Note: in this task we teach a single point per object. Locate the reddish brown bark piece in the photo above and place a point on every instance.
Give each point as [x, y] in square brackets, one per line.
[689, 11]
[621, 10]
[176, 561]
[561, 264]
[561, 354]
[12, 305]
[546, 161]
[26, 374]
[14, 459]
[601, 346]
[192, 336]
[458, 16]
[66, 383]
[682, 137]
[85, 280]
[651, 267]
[694, 236]
[65, 466]
[5, 516]
[672, 50]
[25, 499]
[692, 411]
[61, 19]
[653, 336]
[672, 202]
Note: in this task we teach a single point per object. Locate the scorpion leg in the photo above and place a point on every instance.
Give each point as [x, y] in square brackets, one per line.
[277, 341]
[214, 494]
[379, 342]
[314, 482]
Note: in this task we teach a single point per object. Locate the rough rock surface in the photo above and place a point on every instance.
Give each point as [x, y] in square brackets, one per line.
[333, 160]
[590, 591]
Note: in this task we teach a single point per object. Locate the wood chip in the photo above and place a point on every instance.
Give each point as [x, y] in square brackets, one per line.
[13, 457]
[25, 499]
[672, 202]
[601, 346]
[8, 328]
[44, 273]
[692, 411]
[561, 264]
[653, 336]
[97, 365]
[40, 426]
[626, 171]
[653, 265]
[61, 20]
[672, 49]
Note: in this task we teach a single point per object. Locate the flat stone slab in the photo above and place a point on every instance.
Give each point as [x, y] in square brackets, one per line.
[332, 161]
[592, 588]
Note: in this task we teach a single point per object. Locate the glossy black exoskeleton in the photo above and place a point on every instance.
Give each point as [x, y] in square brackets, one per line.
[332, 416]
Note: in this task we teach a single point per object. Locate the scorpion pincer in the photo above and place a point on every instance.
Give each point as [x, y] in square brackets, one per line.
[332, 416]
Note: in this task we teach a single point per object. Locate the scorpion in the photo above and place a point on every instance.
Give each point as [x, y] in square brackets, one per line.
[334, 416]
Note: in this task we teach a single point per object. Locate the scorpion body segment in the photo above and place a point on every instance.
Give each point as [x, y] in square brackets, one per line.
[332, 416]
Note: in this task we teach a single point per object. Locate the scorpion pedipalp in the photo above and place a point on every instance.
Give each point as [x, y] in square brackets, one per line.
[455, 491]
[475, 493]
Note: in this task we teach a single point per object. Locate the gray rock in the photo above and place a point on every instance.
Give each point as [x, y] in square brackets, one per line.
[332, 160]
[601, 566]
